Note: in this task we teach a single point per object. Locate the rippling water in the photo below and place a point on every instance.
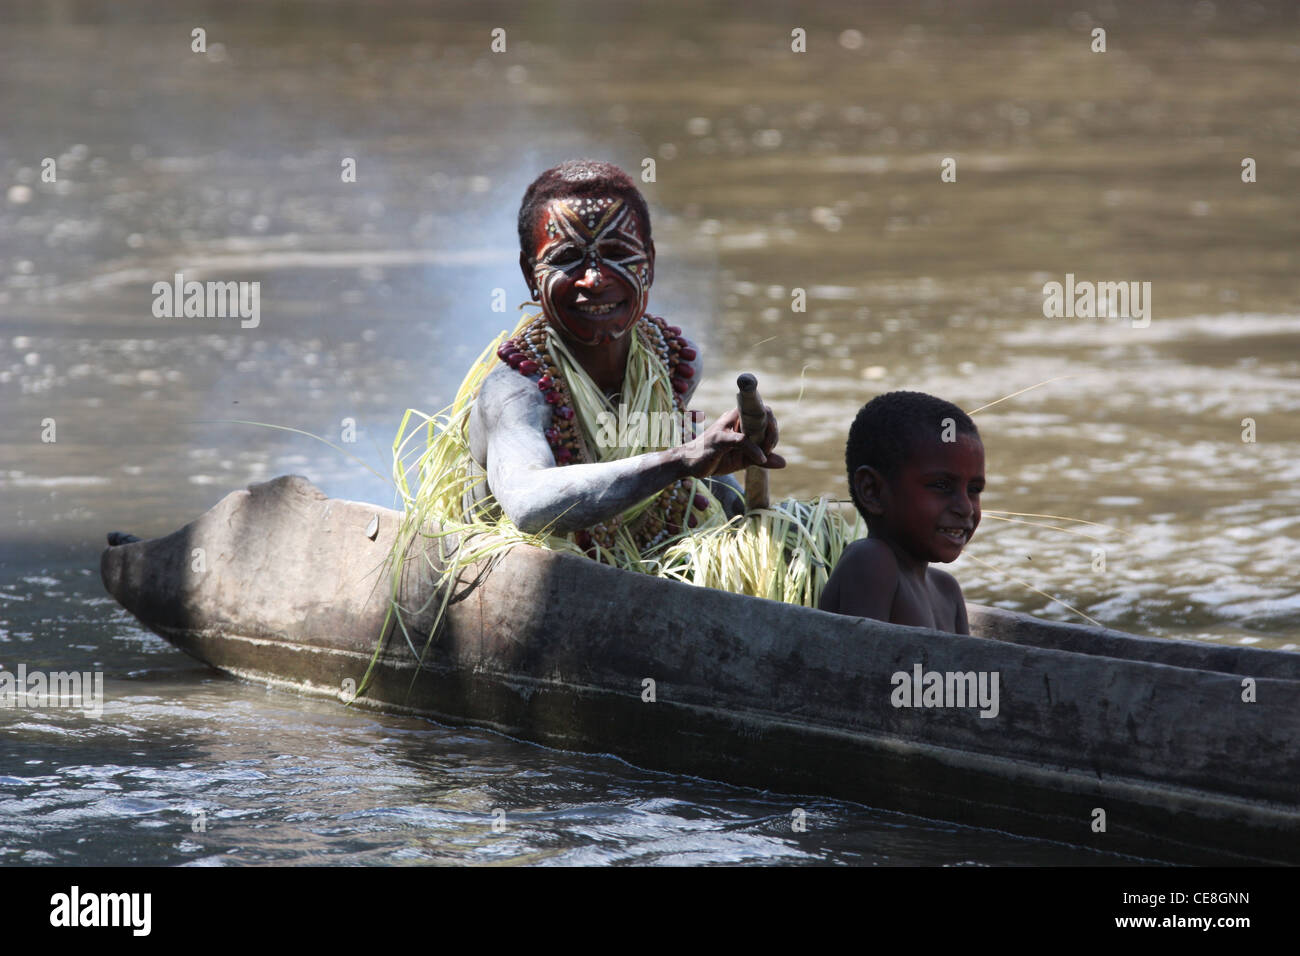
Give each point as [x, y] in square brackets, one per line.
[774, 173]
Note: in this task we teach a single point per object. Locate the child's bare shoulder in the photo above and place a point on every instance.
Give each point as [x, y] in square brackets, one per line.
[870, 555]
[863, 581]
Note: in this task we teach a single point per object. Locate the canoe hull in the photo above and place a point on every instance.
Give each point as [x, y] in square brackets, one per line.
[560, 651]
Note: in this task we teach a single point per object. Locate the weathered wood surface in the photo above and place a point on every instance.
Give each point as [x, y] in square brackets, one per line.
[556, 649]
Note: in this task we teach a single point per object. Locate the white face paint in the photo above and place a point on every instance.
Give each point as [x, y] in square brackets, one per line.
[592, 267]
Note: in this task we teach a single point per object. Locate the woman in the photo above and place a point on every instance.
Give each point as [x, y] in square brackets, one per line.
[538, 427]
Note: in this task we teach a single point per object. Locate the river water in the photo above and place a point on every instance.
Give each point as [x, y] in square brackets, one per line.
[774, 172]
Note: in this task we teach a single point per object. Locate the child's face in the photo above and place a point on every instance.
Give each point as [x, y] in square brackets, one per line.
[592, 267]
[932, 506]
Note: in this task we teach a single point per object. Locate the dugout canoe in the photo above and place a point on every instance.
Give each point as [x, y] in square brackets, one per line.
[283, 585]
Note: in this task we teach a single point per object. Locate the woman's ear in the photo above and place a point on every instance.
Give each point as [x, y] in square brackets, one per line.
[871, 489]
[526, 267]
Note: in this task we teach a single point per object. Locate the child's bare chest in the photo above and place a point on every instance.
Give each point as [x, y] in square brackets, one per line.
[922, 604]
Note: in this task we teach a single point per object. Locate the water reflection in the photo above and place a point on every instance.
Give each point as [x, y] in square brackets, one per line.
[774, 172]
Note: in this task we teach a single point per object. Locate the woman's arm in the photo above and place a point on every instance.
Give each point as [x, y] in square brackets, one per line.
[507, 427]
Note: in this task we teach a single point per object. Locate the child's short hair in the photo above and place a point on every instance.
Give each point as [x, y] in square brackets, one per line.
[578, 178]
[886, 427]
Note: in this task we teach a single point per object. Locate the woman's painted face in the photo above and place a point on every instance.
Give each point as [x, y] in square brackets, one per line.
[592, 267]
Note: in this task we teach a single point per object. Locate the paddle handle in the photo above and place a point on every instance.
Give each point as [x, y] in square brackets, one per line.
[753, 422]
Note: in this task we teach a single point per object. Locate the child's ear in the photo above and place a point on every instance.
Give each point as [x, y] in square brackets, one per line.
[870, 486]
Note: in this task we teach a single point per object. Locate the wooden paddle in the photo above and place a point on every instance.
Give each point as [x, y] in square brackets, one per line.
[753, 421]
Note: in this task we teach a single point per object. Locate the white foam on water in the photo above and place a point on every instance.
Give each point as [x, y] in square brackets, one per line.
[201, 267]
[1056, 332]
[33, 481]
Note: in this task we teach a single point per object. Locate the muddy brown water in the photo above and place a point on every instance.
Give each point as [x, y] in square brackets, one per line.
[774, 172]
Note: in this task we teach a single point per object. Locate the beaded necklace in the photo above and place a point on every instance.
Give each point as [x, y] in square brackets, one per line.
[537, 351]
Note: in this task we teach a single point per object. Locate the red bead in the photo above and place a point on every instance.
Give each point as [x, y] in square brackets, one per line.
[692, 521]
[688, 354]
[554, 398]
[545, 382]
[701, 502]
[563, 456]
[528, 366]
[673, 529]
[685, 371]
[680, 385]
[515, 359]
[673, 330]
[582, 539]
[552, 435]
[565, 412]
[502, 353]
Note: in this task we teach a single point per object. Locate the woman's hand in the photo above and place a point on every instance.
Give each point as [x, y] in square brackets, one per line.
[723, 448]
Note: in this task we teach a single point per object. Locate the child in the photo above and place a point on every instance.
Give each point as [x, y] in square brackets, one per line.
[916, 470]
